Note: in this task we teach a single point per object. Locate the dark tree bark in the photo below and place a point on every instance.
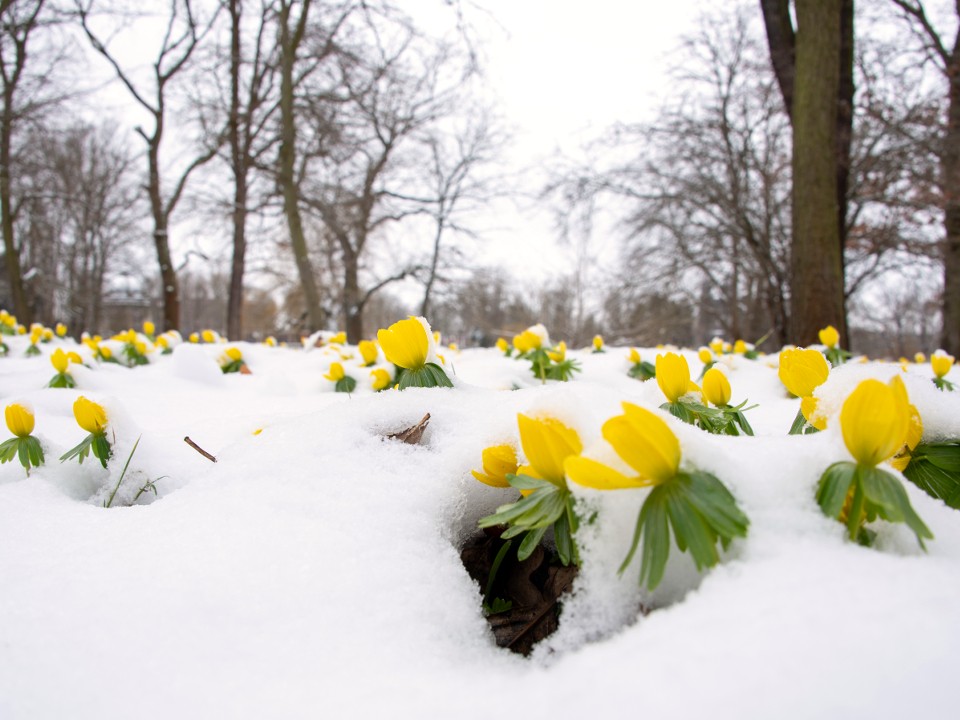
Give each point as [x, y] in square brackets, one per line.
[239, 166]
[16, 31]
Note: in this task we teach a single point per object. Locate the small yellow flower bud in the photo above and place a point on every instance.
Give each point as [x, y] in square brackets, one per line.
[149, 328]
[716, 387]
[61, 330]
[20, 419]
[940, 363]
[60, 360]
[90, 415]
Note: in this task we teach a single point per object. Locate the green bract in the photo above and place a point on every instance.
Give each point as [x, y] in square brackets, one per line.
[26, 449]
[428, 376]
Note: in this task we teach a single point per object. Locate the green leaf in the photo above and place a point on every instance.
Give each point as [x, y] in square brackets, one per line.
[530, 542]
[80, 451]
[834, 486]
[656, 538]
[715, 503]
[691, 531]
[525, 482]
[495, 567]
[563, 537]
[346, 384]
[101, 448]
[8, 450]
[799, 423]
[430, 375]
[642, 371]
[62, 380]
[885, 492]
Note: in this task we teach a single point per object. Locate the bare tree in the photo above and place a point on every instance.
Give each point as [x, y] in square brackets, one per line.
[184, 32]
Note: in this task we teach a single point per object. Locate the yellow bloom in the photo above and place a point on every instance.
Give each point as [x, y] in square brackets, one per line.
[597, 342]
[340, 338]
[149, 328]
[914, 430]
[140, 346]
[829, 336]
[270, 341]
[336, 373]
[60, 360]
[716, 387]
[90, 415]
[547, 443]
[673, 376]
[559, 353]
[919, 358]
[740, 347]
[19, 419]
[809, 407]
[194, 337]
[74, 358]
[634, 356]
[368, 351]
[61, 330]
[705, 355]
[803, 371]
[233, 354]
[643, 440]
[405, 343]
[163, 342]
[502, 345]
[941, 363]
[208, 336]
[527, 341]
[105, 352]
[380, 379]
[21, 330]
[875, 420]
[716, 345]
[498, 462]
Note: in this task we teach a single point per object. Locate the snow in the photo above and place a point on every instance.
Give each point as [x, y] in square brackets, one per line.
[314, 569]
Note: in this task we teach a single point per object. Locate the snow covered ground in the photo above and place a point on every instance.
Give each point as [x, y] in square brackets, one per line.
[314, 571]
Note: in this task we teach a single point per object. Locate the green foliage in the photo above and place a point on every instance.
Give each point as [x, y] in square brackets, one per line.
[563, 370]
[32, 350]
[62, 380]
[699, 510]
[547, 506]
[836, 356]
[943, 384]
[26, 449]
[94, 442]
[856, 494]
[346, 384]
[801, 426]
[642, 370]
[728, 420]
[430, 375]
[133, 357]
[935, 469]
[109, 501]
[232, 367]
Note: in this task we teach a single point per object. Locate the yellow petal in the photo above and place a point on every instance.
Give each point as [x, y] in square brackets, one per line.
[498, 462]
[829, 336]
[597, 342]
[634, 356]
[368, 351]
[547, 442]
[60, 360]
[596, 475]
[19, 419]
[705, 355]
[405, 343]
[940, 363]
[809, 409]
[234, 354]
[874, 421]
[803, 370]
[645, 442]
[335, 373]
[89, 415]
[716, 387]
[380, 379]
[673, 375]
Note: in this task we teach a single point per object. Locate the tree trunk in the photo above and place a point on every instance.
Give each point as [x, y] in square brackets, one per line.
[239, 166]
[287, 163]
[950, 166]
[816, 272]
[352, 303]
[11, 252]
[434, 262]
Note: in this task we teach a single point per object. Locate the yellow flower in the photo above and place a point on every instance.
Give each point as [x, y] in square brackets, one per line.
[163, 342]
[19, 419]
[914, 430]
[716, 345]
[140, 346]
[809, 407]
[208, 336]
[740, 347]
[336, 373]
[502, 345]
[919, 358]
[597, 342]
[340, 338]
[547, 443]
[194, 337]
[61, 330]
[233, 354]
[270, 341]
[829, 336]
[673, 376]
[368, 351]
[380, 379]
[74, 358]
[941, 363]
[716, 387]
[634, 356]
[149, 328]
[643, 440]
[60, 360]
[803, 371]
[21, 330]
[875, 420]
[527, 341]
[405, 343]
[46, 334]
[105, 352]
[90, 415]
[705, 355]
[498, 462]
[559, 353]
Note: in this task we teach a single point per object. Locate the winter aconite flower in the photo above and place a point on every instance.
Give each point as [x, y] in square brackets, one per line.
[93, 418]
[547, 444]
[61, 363]
[639, 368]
[369, 352]
[716, 388]
[829, 336]
[598, 344]
[803, 370]
[23, 445]
[673, 376]
[941, 363]
[696, 505]
[343, 382]
[875, 422]
[498, 462]
[232, 361]
[406, 344]
[527, 341]
[380, 379]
